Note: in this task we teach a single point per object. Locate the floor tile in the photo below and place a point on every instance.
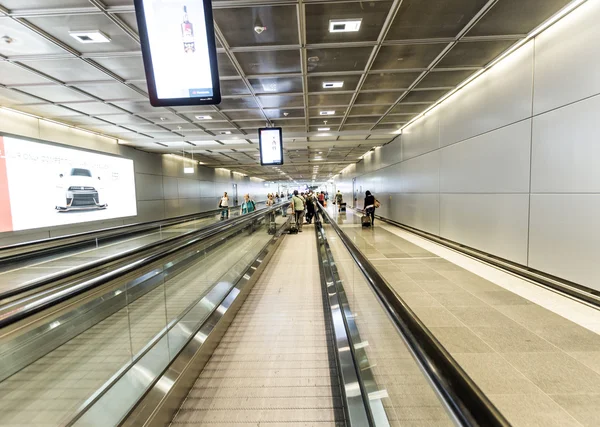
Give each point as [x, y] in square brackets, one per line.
[591, 359]
[436, 316]
[533, 410]
[513, 339]
[458, 299]
[570, 337]
[585, 408]
[460, 340]
[494, 375]
[501, 297]
[482, 316]
[556, 373]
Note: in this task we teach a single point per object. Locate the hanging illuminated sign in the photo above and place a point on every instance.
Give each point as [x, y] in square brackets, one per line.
[271, 146]
[178, 48]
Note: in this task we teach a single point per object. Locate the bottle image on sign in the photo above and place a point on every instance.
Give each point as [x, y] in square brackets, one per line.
[187, 33]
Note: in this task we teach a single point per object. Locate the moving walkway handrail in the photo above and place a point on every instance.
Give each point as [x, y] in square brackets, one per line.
[467, 403]
[21, 251]
[26, 310]
[70, 272]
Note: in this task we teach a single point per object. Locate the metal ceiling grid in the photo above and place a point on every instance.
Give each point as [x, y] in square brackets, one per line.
[406, 55]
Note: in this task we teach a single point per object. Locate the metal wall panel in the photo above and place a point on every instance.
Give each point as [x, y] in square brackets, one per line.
[566, 149]
[148, 210]
[494, 223]
[501, 96]
[421, 174]
[495, 162]
[172, 208]
[188, 188]
[420, 211]
[567, 59]
[421, 137]
[170, 188]
[148, 187]
[564, 234]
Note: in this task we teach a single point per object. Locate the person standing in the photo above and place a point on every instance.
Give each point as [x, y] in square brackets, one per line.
[248, 205]
[298, 208]
[224, 205]
[369, 206]
[310, 208]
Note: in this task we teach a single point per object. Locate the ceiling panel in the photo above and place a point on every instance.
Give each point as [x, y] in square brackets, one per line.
[55, 93]
[23, 41]
[42, 4]
[233, 87]
[424, 95]
[268, 62]
[409, 108]
[67, 70]
[318, 16]
[315, 83]
[126, 67]
[11, 74]
[280, 22]
[444, 78]
[237, 103]
[281, 101]
[59, 26]
[407, 56]
[378, 97]
[363, 110]
[277, 85]
[418, 19]
[342, 59]
[94, 108]
[361, 120]
[326, 100]
[474, 54]
[111, 91]
[516, 16]
[390, 80]
[226, 68]
[284, 113]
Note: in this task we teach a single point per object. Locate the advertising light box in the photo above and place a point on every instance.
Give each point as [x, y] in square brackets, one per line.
[271, 146]
[44, 185]
[178, 47]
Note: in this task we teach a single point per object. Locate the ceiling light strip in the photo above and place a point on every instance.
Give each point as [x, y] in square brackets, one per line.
[534, 33]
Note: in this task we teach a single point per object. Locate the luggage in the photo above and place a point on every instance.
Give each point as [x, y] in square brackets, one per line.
[365, 221]
[342, 207]
[293, 228]
[272, 227]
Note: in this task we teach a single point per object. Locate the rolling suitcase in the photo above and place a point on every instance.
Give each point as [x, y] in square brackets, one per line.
[365, 221]
[293, 228]
[272, 227]
[342, 207]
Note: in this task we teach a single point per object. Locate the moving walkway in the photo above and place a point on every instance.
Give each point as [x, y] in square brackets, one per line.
[233, 327]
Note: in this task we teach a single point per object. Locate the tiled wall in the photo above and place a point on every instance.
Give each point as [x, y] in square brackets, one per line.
[510, 164]
[162, 189]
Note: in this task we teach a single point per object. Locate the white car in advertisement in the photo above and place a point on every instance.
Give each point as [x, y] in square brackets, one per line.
[79, 190]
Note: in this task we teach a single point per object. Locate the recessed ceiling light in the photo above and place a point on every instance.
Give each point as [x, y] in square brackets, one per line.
[324, 129]
[204, 117]
[92, 36]
[320, 152]
[344, 25]
[327, 113]
[225, 132]
[269, 87]
[332, 85]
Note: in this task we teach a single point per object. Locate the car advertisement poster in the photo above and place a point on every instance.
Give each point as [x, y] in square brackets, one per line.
[43, 185]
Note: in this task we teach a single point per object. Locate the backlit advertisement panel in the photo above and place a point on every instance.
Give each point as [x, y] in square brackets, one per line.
[271, 146]
[179, 51]
[43, 185]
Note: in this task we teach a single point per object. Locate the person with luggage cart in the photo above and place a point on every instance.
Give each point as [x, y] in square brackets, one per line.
[371, 203]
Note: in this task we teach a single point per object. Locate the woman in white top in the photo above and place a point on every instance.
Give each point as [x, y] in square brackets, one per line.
[224, 205]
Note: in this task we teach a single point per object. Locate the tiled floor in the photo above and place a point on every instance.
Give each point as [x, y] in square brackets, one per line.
[537, 367]
[49, 390]
[272, 367]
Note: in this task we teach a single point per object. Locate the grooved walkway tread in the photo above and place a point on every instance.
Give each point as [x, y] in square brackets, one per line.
[272, 367]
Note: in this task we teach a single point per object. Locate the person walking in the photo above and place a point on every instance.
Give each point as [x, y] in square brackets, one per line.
[369, 206]
[339, 199]
[248, 205]
[310, 208]
[224, 206]
[298, 208]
